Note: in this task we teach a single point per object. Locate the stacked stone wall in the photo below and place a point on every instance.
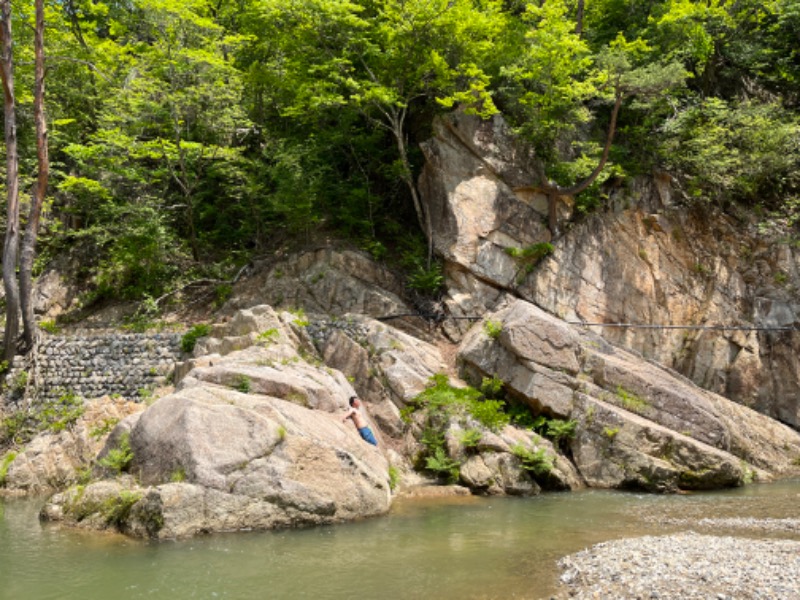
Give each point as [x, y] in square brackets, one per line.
[94, 365]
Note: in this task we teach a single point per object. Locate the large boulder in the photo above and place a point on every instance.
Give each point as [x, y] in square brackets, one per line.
[208, 458]
[251, 439]
[638, 424]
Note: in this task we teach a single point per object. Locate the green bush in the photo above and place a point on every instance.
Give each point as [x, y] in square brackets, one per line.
[489, 413]
[470, 438]
[426, 280]
[59, 414]
[493, 329]
[243, 384]
[535, 461]
[119, 459]
[52, 415]
[189, 339]
[492, 387]
[442, 465]
[20, 381]
[520, 415]
[560, 430]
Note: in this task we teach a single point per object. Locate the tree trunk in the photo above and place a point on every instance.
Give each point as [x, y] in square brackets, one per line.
[11, 245]
[553, 191]
[579, 18]
[422, 214]
[39, 190]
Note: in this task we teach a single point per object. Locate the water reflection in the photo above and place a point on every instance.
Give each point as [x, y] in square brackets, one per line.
[466, 548]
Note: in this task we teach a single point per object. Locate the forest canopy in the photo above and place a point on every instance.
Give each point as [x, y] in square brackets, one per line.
[188, 135]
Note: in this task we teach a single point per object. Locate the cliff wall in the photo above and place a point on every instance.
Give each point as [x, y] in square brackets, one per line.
[648, 257]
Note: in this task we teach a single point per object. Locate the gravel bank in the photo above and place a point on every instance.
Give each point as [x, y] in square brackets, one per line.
[685, 566]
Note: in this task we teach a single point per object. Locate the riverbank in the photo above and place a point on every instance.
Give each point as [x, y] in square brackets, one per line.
[685, 566]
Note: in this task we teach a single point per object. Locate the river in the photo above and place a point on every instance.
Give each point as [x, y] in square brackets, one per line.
[467, 548]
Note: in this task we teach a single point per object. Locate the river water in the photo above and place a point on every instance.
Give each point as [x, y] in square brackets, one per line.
[467, 548]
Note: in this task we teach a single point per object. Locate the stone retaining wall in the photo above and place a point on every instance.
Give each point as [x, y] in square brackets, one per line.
[110, 363]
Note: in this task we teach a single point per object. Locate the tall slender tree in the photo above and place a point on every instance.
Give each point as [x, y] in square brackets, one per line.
[11, 245]
[39, 191]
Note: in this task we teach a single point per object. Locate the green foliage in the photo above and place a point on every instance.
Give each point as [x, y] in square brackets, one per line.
[631, 401]
[406, 412]
[183, 133]
[489, 413]
[222, 293]
[470, 438]
[57, 415]
[178, 475]
[492, 387]
[610, 432]
[531, 254]
[429, 281]
[420, 276]
[442, 398]
[52, 415]
[243, 384]
[520, 415]
[535, 461]
[529, 257]
[190, 338]
[83, 475]
[5, 464]
[18, 427]
[394, 477]
[493, 329]
[268, 336]
[560, 430]
[119, 459]
[50, 326]
[117, 508]
[442, 465]
[20, 381]
[300, 317]
[744, 150]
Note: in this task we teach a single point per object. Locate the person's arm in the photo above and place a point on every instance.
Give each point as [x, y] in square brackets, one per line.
[349, 414]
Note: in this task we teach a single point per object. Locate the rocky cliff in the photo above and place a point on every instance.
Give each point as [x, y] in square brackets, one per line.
[647, 257]
[514, 400]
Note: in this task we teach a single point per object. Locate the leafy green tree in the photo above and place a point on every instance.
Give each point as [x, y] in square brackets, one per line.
[381, 58]
[742, 151]
[551, 84]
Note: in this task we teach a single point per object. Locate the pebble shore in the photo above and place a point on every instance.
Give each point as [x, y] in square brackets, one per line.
[684, 566]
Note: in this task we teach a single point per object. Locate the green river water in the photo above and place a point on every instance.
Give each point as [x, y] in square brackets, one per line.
[468, 548]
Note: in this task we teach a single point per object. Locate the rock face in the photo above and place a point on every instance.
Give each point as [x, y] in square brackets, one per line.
[638, 424]
[644, 259]
[54, 459]
[251, 440]
[328, 282]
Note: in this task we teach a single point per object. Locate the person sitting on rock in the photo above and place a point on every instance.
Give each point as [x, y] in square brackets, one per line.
[359, 421]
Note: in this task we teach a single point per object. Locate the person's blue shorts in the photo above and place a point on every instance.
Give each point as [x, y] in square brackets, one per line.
[368, 436]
